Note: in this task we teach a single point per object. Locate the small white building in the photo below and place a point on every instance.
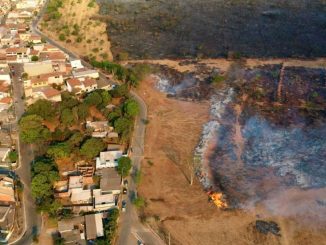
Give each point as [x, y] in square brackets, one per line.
[76, 64]
[103, 201]
[108, 159]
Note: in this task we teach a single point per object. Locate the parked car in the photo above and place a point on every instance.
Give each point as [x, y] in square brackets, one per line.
[124, 205]
[125, 183]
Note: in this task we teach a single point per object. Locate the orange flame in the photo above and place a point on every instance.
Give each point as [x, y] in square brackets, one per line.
[218, 199]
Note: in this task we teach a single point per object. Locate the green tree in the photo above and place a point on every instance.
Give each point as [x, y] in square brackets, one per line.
[13, 156]
[120, 91]
[62, 37]
[124, 166]
[41, 187]
[34, 58]
[54, 208]
[76, 139]
[106, 98]
[131, 108]
[42, 108]
[123, 126]
[68, 101]
[32, 129]
[92, 147]
[93, 98]
[59, 150]
[61, 134]
[114, 115]
[82, 112]
[67, 117]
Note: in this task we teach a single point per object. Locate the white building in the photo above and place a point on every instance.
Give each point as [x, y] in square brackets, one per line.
[108, 159]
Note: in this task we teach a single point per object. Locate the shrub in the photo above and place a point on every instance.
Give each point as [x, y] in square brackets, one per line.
[62, 37]
[34, 58]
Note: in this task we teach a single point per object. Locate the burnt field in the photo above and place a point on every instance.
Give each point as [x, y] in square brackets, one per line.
[216, 28]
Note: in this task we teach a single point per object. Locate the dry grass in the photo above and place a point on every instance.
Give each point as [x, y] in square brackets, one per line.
[92, 33]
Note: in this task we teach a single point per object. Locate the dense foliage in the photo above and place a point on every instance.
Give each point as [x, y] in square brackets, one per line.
[124, 166]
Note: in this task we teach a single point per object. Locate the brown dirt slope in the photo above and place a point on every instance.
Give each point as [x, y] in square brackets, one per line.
[90, 39]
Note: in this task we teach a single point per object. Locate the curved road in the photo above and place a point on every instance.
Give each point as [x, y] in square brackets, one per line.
[130, 226]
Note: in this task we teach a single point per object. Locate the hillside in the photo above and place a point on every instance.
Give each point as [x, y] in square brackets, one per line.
[74, 24]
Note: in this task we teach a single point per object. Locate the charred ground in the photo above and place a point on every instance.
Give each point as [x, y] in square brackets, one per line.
[215, 28]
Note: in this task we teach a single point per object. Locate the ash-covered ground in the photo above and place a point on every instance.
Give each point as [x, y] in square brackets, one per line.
[270, 140]
[214, 28]
[265, 142]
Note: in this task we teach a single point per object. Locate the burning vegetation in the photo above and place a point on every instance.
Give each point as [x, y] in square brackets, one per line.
[219, 199]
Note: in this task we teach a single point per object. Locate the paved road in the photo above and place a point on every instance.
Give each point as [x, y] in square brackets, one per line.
[26, 156]
[130, 224]
[130, 227]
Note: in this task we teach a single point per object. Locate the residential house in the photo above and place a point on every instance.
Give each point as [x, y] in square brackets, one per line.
[72, 230]
[80, 196]
[5, 74]
[20, 54]
[110, 180]
[51, 94]
[57, 56]
[35, 39]
[4, 89]
[76, 64]
[85, 72]
[103, 201]
[7, 194]
[47, 93]
[4, 151]
[5, 103]
[27, 4]
[75, 182]
[94, 226]
[108, 159]
[38, 68]
[82, 85]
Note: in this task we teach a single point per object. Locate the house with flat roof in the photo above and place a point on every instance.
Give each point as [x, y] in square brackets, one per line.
[80, 196]
[85, 72]
[108, 159]
[72, 230]
[103, 201]
[94, 226]
[110, 180]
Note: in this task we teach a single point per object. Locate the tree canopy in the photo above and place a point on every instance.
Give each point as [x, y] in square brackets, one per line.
[92, 147]
[131, 108]
[67, 117]
[93, 98]
[32, 129]
[59, 150]
[124, 166]
[42, 108]
[44, 174]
